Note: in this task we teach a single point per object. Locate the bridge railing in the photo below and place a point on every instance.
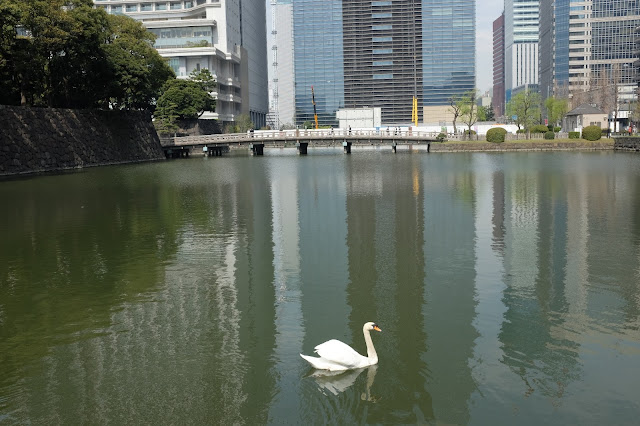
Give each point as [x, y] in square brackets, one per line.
[265, 135]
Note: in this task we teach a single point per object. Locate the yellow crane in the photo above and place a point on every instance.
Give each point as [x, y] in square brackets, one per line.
[313, 101]
[414, 112]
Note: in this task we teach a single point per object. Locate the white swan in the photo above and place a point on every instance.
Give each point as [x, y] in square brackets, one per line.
[338, 356]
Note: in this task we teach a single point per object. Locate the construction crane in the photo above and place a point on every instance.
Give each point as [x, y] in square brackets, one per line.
[313, 101]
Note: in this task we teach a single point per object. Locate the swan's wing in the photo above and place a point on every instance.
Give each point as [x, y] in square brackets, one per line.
[339, 353]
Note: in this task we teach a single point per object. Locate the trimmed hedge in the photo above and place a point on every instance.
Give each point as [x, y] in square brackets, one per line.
[557, 129]
[539, 128]
[574, 135]
[592, 133]
[521, 131]
[496, 135]
[549, 135]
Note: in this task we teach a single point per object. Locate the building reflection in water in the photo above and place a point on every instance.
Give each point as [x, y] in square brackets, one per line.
[498, 280]
[450, 309]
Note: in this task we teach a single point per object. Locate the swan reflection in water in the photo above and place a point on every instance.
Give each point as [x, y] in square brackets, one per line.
[339, 381]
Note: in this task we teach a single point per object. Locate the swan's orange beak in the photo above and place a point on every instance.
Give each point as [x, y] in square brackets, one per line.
[376, 328]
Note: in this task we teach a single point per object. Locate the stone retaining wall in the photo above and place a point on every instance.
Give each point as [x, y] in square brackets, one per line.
[36, 140]
[627, 143]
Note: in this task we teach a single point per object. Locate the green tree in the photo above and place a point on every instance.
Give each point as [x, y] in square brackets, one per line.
[205, 78]
[139, 72]
[556, 108]
[66, 53]
[525, 107]
[489, 114]
[244, 123]
[183, 99]
[80, 71]
[10, 17]
[166, 118]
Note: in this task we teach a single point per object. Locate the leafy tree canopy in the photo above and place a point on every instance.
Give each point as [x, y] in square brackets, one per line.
[525, 108]
[188, 98]
[139, 72]
[556, 108]
[66, 53]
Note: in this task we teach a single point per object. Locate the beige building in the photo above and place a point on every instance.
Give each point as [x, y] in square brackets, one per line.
[583, 116]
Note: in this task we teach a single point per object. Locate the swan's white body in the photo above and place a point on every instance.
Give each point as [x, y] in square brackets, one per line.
[337, 356]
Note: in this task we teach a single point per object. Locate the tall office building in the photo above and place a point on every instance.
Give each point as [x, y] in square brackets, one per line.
[382, 48]
[521, 44]
[448, 53]
[381, 53]
[498, 67]
[226, 37]
[281, 84]
[553, 48]
[587, 43]
[637, 63]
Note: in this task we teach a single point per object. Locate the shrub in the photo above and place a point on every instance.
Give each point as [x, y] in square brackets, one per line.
[496, 135]
[574, 135]
[441, 137]
[466, 132]
[539, 128]
[557, 129]
[549, 135]
[605, 132]
[520, 131]
[591, 133]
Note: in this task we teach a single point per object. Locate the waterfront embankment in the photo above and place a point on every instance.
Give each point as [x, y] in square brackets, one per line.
[628, 143]
[35, 140]
[530, 145]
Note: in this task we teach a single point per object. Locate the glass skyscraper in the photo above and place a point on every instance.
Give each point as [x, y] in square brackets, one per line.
[554, 47]
[448, 49]
[318, 59]
[381, 53]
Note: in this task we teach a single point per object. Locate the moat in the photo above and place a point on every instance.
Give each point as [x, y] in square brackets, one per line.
[182, 292]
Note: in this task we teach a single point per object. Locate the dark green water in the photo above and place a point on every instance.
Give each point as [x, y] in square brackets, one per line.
[507, 287]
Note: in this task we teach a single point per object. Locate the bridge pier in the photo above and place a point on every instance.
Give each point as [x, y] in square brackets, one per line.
[302, 147]
[347, 147]
[216, 150]
[257, 148]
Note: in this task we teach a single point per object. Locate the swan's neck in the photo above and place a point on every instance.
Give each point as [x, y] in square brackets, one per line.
[371, 351]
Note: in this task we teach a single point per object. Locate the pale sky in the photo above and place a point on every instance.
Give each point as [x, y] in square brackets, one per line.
[487, 11]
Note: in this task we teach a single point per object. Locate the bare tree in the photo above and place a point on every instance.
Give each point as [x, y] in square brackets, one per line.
[456, 103]
[469, 110]
[614, 93]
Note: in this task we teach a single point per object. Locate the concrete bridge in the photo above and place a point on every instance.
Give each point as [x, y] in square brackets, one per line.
[256, 141]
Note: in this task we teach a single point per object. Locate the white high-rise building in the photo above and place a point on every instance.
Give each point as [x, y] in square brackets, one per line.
[281, 80]
[521, 44]
[227, 37]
